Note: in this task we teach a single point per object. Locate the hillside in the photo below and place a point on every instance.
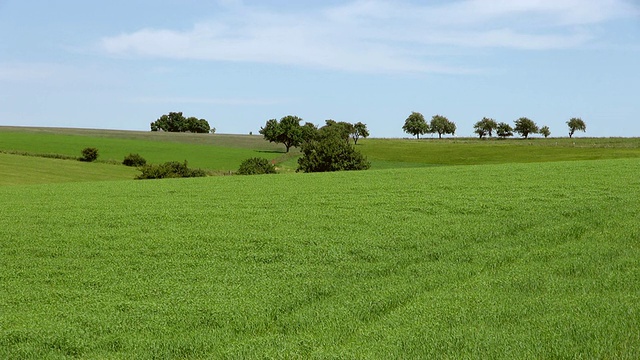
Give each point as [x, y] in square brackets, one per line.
[222, 154]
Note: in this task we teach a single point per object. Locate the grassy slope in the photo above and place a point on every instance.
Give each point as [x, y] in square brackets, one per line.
[509, 261]
[22, 170]
[212, 152]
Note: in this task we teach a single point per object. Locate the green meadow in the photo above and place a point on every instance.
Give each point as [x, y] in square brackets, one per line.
[530, 250]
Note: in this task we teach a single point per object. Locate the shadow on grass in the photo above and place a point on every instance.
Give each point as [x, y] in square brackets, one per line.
[272, 151]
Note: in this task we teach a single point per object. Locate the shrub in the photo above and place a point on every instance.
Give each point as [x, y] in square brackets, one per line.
[171, 169]
[134, 160]
[89, 154]
[331, 154]
[256, 166]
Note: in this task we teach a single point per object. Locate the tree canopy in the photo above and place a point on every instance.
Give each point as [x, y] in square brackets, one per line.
[415, 125]
[485, 127]
[359, 131]
[340, 129]
[504, 130]
[576, 124]
[287, 131]
[545, 131]
[442, 125]
[525, 126]
[176, 122]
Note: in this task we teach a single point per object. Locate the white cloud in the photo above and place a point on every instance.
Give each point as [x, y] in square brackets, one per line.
[375, 35]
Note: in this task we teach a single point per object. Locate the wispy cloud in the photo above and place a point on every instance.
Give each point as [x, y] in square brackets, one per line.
[376, 35]
[27, 72]
[208, 101]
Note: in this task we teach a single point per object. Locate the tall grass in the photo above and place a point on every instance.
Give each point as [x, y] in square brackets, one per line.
[498, 261]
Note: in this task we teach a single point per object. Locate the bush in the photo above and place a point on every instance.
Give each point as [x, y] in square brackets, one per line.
[331, 154]
[256, 166]
[89, 154]
[134, 160]
[171, 169]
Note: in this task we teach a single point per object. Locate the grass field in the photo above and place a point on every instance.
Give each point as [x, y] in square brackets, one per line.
[210, 152]
[224, 153]
[535, 260]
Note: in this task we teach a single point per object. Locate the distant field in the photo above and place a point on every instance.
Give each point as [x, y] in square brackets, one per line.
[391, 153]
[536, 260]
[211, 152]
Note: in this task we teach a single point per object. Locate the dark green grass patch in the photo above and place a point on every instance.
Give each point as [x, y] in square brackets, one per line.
[497, 261]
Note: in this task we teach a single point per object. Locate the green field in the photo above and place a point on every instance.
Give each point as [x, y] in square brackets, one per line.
[211, 152]
[448, 249]
[496, 261]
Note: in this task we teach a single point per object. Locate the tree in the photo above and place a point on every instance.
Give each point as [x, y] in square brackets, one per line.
[485, 127]
[545, 131]
[287, 131]
[442, 125]
[576, 124]
[415, 125]
[359, 131]
[525, 126]
[309, 132]
[341, 129]
[329, 152]
[176, 122]
[504, 130]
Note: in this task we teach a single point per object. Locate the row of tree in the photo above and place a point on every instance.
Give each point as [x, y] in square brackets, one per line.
[176, 122]
[416, 125]
[327, 148]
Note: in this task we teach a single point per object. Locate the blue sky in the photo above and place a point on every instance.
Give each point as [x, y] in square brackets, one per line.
[122, 64]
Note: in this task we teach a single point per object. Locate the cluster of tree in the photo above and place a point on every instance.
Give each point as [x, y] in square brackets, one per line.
[416, 125]
[523, 126]
[290, 133]
[323, 149]
[176, 122]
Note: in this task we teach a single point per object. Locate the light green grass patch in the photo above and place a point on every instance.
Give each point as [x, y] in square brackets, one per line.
[24, 170]
[498, 261]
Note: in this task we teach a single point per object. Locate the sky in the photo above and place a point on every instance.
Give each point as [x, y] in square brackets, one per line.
[121, 64]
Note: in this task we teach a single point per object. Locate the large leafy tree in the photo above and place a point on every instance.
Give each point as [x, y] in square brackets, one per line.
[329, 152]
[340, 129]
[176, 122]
[287, 131]
[359, 131]
[415, 125]
[576, 124]
[504, 130]
[525, 126]
[484, 127]
[442, 125]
